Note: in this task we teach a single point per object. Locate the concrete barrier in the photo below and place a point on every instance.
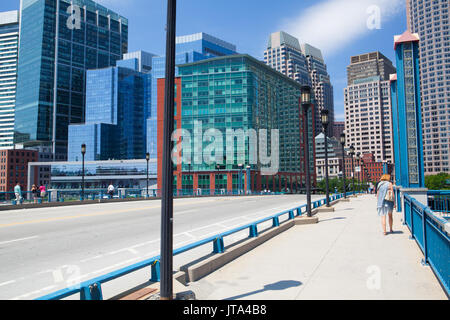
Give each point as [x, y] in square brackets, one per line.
[201, 269]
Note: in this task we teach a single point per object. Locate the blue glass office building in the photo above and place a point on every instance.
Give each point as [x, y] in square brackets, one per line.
[117, 102]
[189, 48]
[58, 43]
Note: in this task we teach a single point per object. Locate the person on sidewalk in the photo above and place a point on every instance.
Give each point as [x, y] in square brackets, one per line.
[111, 191]
[385, 201]
[42, 191]
[35, 193]
[18, 193]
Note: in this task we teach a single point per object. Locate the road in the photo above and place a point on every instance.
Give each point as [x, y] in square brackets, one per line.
[44, 250]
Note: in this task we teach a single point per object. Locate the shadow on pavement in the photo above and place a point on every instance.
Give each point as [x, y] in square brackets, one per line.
[281, 285]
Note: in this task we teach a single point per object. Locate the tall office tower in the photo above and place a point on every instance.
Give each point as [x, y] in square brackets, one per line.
[368, 114]
[429, 19]
[189, 48]
[58, 43]
[323, 89]
[9, 49]
[285, 55]
[117, 102]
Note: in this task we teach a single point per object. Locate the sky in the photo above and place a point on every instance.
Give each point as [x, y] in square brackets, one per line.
[340, 28]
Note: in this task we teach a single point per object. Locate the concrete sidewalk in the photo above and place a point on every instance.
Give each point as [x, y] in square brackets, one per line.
[345, 256]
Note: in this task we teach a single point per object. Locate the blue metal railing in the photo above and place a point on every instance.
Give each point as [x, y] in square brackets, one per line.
[92, 289]
[439, 202]
[429, 232]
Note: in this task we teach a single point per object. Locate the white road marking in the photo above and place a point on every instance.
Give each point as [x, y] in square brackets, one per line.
[37, 292]
[17, 240]
[7, 282]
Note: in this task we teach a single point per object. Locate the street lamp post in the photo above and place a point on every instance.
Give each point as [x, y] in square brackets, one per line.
[358, 158]
[352, 154]
[325, 122]
[166, 263]
[83, 152]
[241, 166]
[147, 157]
[306, 104]
[343, 163]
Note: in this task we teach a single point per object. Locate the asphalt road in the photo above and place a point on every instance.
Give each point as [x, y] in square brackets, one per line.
[44, 250]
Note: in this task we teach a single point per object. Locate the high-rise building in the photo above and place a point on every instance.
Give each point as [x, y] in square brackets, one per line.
[189, 48]
[9, 52]
[117, 102]
[59, 41]
[429, 19]
[338, 129]
[285, 55]
[368, 114]
[321, 84]
[305, 64]
[369, 65]
[231, 94]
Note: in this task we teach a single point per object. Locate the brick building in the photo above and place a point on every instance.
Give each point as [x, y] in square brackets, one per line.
[14, 168]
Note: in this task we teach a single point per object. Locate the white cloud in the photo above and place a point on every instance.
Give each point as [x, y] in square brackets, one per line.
[333, 24]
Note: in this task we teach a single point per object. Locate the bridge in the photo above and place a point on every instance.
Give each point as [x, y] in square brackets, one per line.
[103, 250]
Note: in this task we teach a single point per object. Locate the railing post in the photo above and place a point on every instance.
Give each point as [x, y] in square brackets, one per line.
[425, 246]
[253, 231]
[291, 215]
[91, 292]
[156, 272]
[276, 222]
[219, 246]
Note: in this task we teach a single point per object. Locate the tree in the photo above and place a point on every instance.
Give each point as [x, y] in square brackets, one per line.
[438, 182]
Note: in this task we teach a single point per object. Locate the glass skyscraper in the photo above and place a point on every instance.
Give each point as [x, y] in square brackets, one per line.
[59, 41]
[9, 49]
[117, 102]
[189, 48]
[321, 84]
[239, 93]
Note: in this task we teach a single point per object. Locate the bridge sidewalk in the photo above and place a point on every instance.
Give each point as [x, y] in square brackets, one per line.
[345, 256]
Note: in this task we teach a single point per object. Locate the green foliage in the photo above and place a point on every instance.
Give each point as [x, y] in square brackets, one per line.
[438, 182]
[338, 183]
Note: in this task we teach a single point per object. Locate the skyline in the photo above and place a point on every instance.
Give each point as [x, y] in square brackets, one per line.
[147, 31]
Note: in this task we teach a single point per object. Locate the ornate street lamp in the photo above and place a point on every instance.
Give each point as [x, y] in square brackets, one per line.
[166, 263]
[147, 157]
[325, 122]
[352, 154]
[343, 163]
[83, 152]
[240, 186]
[306, 105]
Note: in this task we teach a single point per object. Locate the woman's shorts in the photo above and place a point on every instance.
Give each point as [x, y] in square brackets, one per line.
[387, 208]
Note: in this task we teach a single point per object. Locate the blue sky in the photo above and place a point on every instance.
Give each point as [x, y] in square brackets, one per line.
[338, 27]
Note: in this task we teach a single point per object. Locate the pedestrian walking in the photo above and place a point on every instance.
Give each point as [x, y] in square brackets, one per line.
[18, 193]
[42, 191]
[386, 201]
[111, 191]
[35, 193]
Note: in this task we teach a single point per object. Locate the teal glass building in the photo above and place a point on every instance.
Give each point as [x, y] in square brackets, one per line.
[117, 102]
[58, 43]
[239, 92]
[189, 48]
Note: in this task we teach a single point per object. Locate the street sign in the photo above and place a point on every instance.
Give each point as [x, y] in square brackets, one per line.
[357, 169]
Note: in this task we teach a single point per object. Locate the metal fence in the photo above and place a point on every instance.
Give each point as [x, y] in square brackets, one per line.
[439, 202]
[430, 233]
[92, 289]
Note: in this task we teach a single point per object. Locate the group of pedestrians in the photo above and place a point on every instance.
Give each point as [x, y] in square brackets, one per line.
[36, 193]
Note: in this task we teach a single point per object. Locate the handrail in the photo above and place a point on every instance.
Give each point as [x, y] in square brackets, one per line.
[91, 289]
[431, 234]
